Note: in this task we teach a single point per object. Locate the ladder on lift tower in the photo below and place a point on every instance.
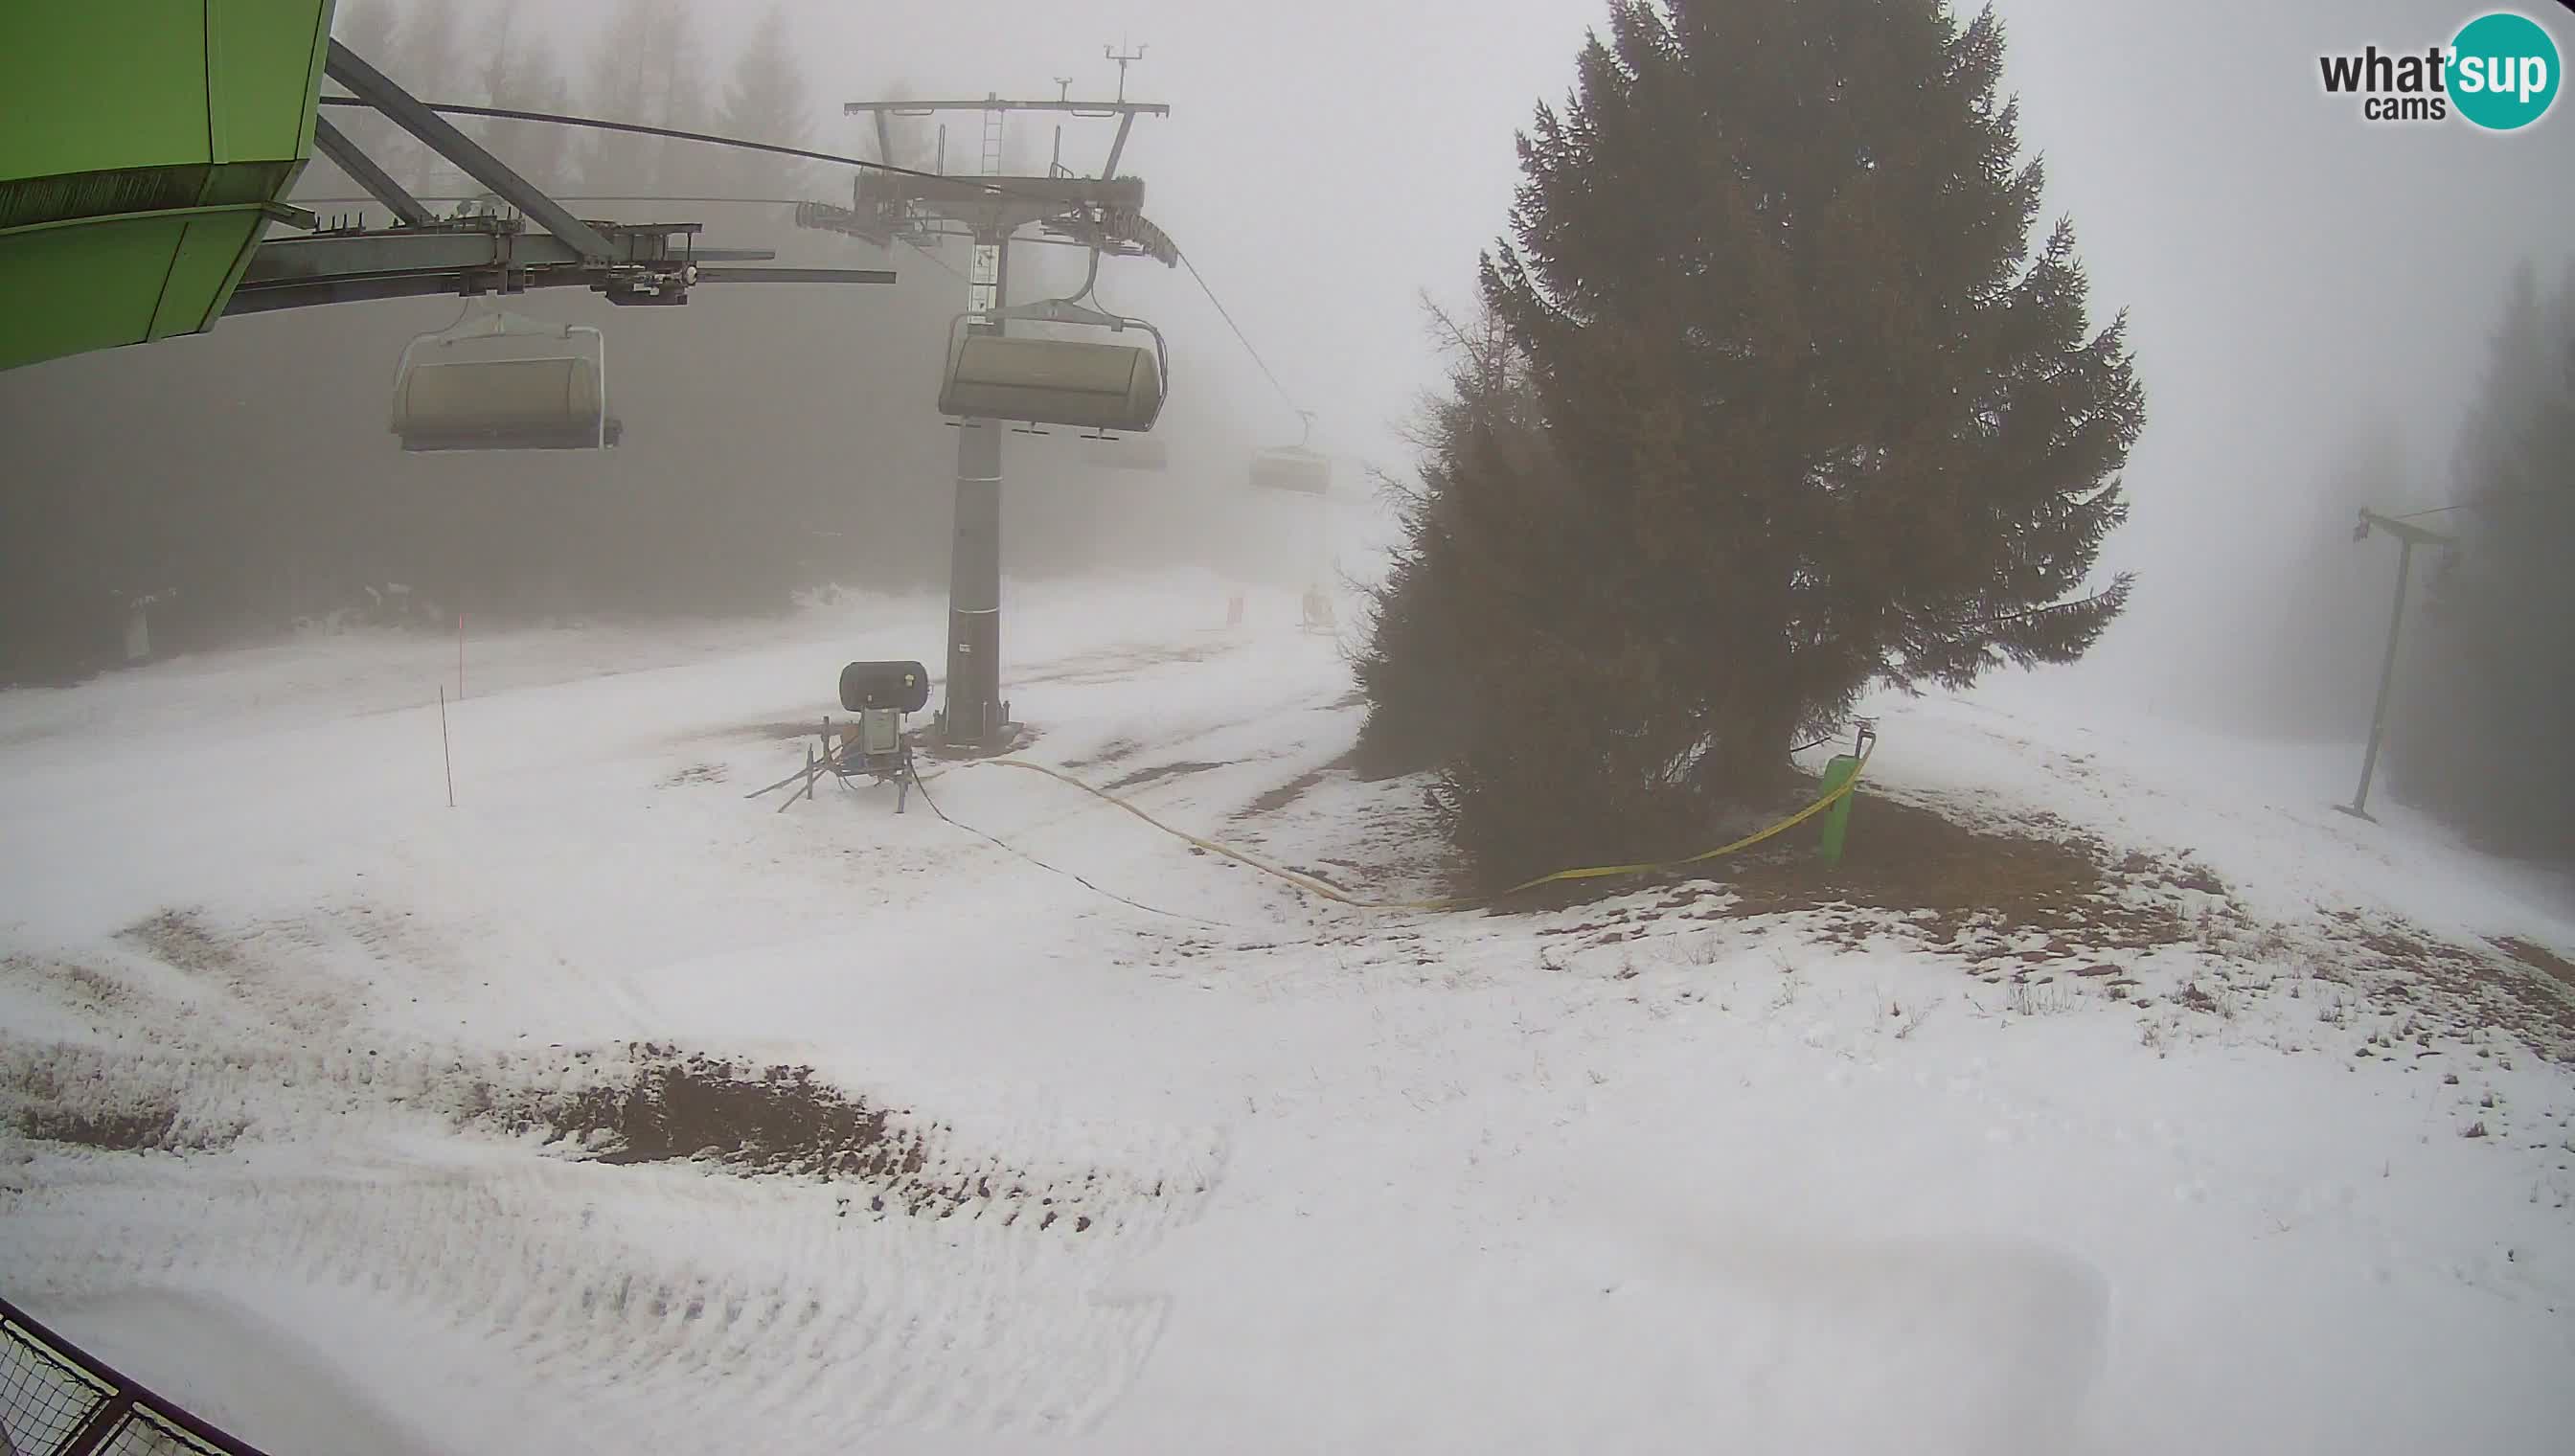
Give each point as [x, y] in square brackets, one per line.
[992, 143]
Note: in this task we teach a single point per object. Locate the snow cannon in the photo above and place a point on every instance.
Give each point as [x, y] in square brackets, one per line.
[881, 695]
[901, 687]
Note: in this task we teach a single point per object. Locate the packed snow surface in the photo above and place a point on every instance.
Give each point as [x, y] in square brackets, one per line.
[1183, 1159]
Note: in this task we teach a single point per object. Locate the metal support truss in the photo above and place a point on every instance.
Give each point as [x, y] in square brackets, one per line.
[362, 169]
[458, 258]
[483, 250]
[1105, 212]
[441, 136]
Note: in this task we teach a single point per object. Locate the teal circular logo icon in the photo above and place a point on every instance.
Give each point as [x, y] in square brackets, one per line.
[2503, 71]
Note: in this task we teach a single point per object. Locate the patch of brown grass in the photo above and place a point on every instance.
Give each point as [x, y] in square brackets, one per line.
[2539, 957]
[1967, 888]
[2460, 987]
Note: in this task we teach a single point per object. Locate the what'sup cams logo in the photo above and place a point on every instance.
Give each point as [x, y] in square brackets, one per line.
[2500, 72]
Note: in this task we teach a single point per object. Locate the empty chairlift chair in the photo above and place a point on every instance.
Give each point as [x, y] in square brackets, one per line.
[1107, 389]
[509, 401]
[1299, 469]
[1295, 469]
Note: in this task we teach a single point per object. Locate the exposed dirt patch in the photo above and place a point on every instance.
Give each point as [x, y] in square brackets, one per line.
[2540, 958]
[775, 1120]
[269, 969]
[696, 774]
[152, 1129]
[1106, 666]
[87, 1100]
[78, 987]
[2031, 903]
[1289, 792]
[1987, 893]
[1108, 752]
[678, 1106]
[1157, 773]
[182, 939]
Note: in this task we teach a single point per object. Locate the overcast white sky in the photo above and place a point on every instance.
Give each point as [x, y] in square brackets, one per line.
[2289, 266]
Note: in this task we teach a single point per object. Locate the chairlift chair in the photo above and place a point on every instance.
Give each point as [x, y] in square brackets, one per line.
[509, 402]
[1300, 469]
[1107, 389]
[1295, 468]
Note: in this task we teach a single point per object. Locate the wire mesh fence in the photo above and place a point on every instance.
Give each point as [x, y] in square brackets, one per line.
[56, 1400]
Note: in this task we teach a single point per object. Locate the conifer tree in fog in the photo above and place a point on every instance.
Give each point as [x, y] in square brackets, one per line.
[2310, 628]
[644, 68]
[2493, 666]
[1818, 415]
[430, 60]
[1486, 424]
[766, 100]
[372, 28]
[519, 68]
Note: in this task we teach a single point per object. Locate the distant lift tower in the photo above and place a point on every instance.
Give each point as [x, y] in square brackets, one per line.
[2408, 536]
[1104, 214]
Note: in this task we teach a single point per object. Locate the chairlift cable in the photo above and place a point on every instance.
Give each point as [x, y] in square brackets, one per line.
[555, 118]
[637, 128]
[1221, 312]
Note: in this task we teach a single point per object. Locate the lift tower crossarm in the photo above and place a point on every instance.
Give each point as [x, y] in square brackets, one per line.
[1124, 111]
[441, 136]
[2407, 531]
[994, 103]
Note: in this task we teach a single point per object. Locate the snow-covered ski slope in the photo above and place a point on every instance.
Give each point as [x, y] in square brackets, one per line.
[2260, 1148]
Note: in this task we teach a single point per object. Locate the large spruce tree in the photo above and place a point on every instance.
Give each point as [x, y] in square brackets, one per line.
[1486, 429]
[1817, 416]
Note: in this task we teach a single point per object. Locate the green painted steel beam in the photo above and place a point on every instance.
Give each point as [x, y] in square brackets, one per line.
[145, 148]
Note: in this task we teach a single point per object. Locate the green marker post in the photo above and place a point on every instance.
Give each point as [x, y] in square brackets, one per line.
[1837, 818]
